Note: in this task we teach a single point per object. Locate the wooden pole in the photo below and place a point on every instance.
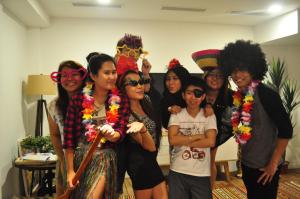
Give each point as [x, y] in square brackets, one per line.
[82, 166]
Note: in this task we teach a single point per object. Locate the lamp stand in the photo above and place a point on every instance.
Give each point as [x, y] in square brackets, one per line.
[40, 116]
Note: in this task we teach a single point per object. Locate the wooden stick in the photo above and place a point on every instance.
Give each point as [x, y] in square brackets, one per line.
[82, 166]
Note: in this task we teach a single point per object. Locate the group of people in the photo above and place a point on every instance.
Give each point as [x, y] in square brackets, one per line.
[116, 100]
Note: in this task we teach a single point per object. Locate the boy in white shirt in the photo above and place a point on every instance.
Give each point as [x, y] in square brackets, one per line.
[192, 135]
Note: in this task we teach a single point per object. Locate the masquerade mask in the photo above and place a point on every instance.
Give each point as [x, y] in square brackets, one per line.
[134, 83]
[198, 93]
[61, 77]
[131, 52]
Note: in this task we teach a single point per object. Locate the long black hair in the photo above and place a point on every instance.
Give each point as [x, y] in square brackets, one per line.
[146, 105]
[63, 97]
[95, 63]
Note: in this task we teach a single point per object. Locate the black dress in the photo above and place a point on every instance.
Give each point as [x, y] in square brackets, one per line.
[142, 165]
[222, 110]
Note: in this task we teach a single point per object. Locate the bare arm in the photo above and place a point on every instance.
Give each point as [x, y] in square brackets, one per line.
[69, 153]
[55, 138]
[145, 140]
[271, 168]
[177, 139]
[142, 136]
[207, 142]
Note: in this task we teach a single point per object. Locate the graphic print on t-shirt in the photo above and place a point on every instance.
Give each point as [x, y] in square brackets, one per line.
[192, 152]
[191, 160]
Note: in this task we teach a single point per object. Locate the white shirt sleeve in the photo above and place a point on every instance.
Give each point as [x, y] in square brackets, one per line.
[52, 108]
[211, 123]
[174, 120]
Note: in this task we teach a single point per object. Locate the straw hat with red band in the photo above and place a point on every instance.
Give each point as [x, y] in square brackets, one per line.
[206, 59]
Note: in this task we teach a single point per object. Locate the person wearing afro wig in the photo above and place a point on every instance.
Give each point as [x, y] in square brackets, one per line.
[260, 123]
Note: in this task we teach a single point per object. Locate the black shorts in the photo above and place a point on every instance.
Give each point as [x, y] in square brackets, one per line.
[143, 168]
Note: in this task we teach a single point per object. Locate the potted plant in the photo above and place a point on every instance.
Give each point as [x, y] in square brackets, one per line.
[37, 144]
[287, 89]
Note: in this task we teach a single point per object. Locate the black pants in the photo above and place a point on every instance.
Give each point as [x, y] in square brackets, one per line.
[258, 190]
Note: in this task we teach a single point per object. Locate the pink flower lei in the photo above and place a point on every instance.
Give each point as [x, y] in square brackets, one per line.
[112, 115]
[241, 113]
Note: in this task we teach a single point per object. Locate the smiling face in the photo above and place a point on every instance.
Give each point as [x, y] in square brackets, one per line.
[134, 87]
[193, 96]
[173, 83]
[215, 79]
[242, 78]
[71, 80]
[106, 77]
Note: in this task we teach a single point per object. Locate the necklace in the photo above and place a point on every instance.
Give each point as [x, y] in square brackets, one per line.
[241, 113]
[112, 115]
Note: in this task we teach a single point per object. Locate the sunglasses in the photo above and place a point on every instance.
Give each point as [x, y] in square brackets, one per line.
[61, 77]
[135, 82]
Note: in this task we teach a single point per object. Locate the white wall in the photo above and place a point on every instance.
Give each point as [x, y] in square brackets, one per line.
[291, 56]
[13, 41]
[75, 38]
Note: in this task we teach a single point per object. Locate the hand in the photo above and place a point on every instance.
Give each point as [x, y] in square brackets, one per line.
[136, 127]
[174, 109]
[146, 67]
[108, 131]
[268, 173]
[70, 176]
[208, 110]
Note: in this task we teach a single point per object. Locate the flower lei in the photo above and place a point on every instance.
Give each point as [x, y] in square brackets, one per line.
[241, 114]
[88, 110]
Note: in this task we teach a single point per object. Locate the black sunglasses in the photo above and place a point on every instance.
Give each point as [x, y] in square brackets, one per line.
[198, 93]
[135, 82]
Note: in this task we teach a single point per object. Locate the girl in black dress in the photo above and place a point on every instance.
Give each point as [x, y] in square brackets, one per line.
[143, 141]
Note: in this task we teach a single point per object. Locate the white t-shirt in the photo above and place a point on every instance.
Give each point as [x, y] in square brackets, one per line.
[57, 117]
[187, 160]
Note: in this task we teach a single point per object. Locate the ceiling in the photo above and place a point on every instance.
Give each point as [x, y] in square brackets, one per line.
[208, 11]
[247, 12]
[36, 13]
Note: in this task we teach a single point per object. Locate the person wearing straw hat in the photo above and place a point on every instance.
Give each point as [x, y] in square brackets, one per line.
[218, 95]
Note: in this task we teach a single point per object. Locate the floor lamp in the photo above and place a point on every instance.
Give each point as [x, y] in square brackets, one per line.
[40, 85]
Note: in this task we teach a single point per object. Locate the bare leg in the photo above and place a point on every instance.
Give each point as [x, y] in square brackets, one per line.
[213, 174]
[59, 188]
[98, 190]
[143, 194]
[160, 191]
